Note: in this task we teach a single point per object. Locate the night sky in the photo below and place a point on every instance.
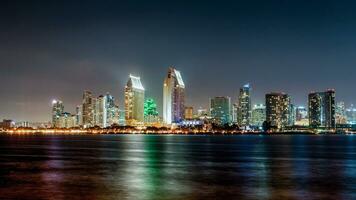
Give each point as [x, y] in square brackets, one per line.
[57, 49]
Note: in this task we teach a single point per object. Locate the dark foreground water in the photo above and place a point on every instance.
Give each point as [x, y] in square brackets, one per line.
[177, 167]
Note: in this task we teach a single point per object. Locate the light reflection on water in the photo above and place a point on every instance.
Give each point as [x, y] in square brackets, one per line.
[177, 167]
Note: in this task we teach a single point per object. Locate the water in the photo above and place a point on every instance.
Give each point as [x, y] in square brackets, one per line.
[177, 167]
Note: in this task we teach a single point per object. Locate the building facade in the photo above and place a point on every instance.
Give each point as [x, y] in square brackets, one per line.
[277, 110]
[220, 110]
[244, 106]
[188, 113]
[173, 97]
[322, 109]
[258, 115]
[57, 110]
[88, 109]
[134, 101]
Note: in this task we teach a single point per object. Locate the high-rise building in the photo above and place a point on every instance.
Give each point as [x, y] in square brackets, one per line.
[351, 114]
[188, 113]
[292, 117]
[100, 112]
[112, 110]
[322, 109]
[88, 109]
[57, 110]
[134, 101]
[340, 113]
[277, 110]
[79, 115]
[173, 97]
[220, 110]
[258, 115]
[235, 109]
[244, 106]
[66, 120]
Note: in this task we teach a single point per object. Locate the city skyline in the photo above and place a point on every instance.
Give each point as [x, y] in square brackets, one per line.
[56, 50]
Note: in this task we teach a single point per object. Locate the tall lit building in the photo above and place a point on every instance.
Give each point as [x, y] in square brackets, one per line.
[340, 113]
[173, 97]
[244, 106]
[322, 109]
[188, 113]
[88, 109]
[57, 110]
[351, 114]
[235, 109]
[79, 115]
[277, 110]
[292, 117]
[100, 112]
[220, 110]
[134, 101]
[258, 115]
[112, 110]
[67, 120]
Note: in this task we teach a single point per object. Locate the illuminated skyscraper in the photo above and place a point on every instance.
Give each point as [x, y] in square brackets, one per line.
[173, 97]
[134, 101]
[57, 110]
[258, 115]
[322, 109]
[277, 109]
[351, 114]
[100, 112]
[291, 120]
[79, 115]
[220, 110]
[88, 109]
[340, 113]
[112, 110]
[244, 106]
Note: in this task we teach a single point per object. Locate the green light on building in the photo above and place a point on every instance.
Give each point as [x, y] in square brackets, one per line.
[150, 108]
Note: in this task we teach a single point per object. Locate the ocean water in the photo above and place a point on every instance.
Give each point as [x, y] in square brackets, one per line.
[177, 167]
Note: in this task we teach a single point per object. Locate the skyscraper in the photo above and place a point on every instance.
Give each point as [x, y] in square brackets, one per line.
[277, 109]
[340, 113]
[100, 112]
[79, 115]
[291, 119]
[134, 101]
[244, 106]
[57, 110]
[220, 110]
[258, 115]
[322, 109]
[173, 97]
[351, 114]
[112, 110]
[88, 109]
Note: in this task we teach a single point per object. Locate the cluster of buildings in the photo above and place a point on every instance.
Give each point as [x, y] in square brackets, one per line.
[139, 111]
[276, 113]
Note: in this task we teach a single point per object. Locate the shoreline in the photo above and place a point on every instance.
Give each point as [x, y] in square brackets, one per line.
[216, 133]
